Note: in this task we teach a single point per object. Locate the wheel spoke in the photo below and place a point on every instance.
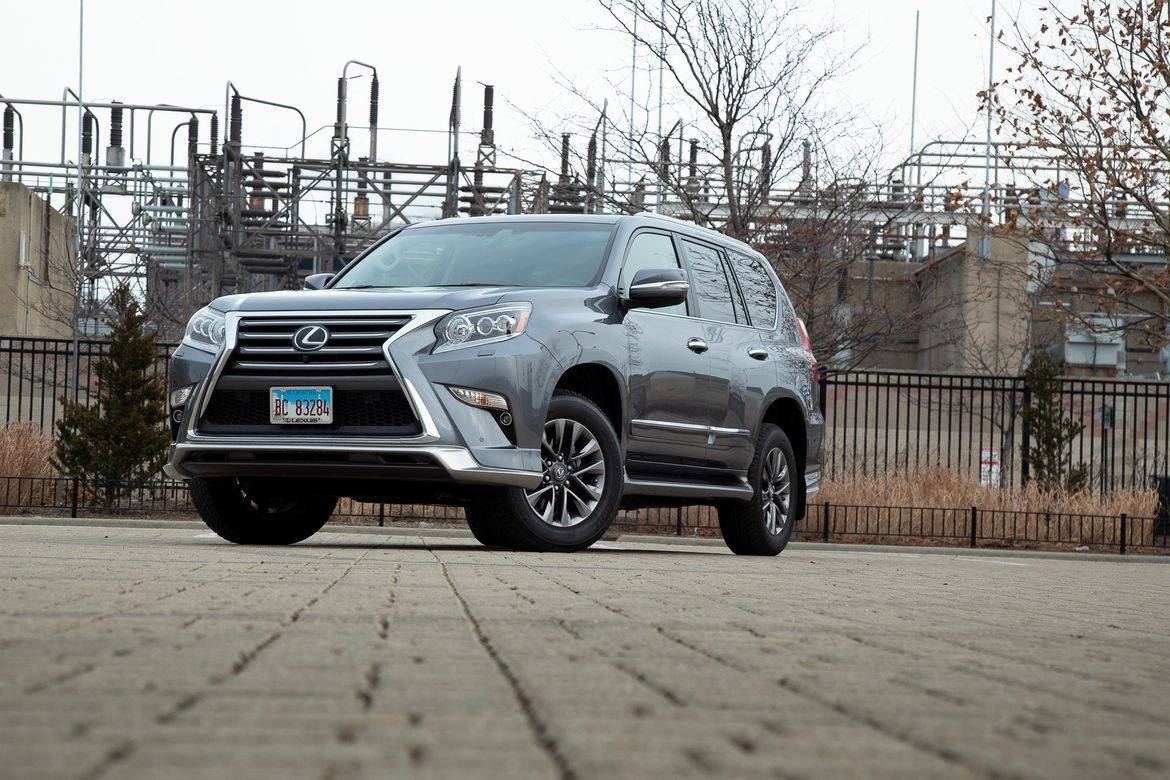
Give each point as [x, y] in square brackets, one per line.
[586, 507]
[589, 448]
[534, 496]
[596, 465]
[593, 491]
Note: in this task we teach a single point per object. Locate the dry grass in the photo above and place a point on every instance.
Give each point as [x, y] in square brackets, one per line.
[24, 462]
[939, 487]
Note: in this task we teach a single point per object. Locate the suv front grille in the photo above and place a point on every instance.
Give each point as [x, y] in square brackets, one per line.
[265, 346]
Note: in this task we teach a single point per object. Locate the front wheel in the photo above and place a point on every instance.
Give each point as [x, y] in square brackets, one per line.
[578, 497]
[763, 526]
[259, 511]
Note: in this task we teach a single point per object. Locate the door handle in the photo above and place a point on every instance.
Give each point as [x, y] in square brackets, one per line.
[698, 346]
[758, 353]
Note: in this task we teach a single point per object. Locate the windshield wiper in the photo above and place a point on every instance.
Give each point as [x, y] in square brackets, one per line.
[365, 287]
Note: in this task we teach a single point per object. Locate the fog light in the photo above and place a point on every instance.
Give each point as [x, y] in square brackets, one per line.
[480, 398]
[180, 396]
[505, 419]
[177, 416]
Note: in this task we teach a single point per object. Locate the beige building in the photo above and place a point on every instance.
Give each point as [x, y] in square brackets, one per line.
[36, 253]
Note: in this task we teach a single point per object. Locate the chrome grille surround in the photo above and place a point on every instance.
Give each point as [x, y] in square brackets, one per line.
[413, 320]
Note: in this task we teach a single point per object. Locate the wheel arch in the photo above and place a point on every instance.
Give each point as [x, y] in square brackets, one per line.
[787, 413]
[600, 383]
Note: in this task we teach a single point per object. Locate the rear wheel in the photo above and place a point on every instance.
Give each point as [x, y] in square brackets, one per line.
[246, 511]
[763, 526]
[578, 497]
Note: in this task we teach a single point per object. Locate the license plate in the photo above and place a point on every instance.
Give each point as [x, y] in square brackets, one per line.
[300, 405]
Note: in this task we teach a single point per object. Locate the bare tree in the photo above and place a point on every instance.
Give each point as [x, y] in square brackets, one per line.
[1087, 108]
[753, 147]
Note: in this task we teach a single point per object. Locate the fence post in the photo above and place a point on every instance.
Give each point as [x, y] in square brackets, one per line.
[1124, 528]
[678, 521]
[73, 500]
[974, 523]
[825, 522]
[1025, 440]
[381, 515]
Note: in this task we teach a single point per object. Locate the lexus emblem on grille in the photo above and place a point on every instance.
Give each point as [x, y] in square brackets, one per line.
[310, 338]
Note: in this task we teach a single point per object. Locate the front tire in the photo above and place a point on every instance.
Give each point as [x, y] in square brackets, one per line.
[259, 511]
[763, 526]
[578, 499]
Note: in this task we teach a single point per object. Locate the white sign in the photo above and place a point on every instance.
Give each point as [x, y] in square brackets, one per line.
[989, 467]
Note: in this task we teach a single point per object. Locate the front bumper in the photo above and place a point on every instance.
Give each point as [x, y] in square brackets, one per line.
[454, 442]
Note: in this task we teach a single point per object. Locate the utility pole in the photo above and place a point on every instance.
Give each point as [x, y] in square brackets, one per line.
[633, 82]
[661, 61]
[914, 87]
[985, 241]
[79, 289]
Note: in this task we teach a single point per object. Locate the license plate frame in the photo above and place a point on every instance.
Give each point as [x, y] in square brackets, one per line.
[300, 405]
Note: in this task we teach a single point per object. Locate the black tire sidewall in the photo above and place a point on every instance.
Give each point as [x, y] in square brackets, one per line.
[775, 437]
[579, 409]
[224, 510]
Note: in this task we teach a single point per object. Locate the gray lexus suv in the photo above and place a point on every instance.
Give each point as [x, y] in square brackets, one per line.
[539, 371]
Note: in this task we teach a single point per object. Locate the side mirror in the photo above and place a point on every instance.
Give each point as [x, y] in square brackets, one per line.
[317, 281]
[654, 288]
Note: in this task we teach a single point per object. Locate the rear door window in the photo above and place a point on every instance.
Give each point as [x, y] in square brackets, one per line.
[758, 289]
[710, 283]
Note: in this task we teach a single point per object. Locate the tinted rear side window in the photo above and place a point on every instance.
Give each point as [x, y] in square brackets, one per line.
[709, 282]
[758, 288]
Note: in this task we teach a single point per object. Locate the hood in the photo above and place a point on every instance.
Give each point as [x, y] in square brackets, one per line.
[349, 300]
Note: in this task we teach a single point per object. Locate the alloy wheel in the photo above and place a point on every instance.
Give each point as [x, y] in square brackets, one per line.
[775, 491]
[574, 474]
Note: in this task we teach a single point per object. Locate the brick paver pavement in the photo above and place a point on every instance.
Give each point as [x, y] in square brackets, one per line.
[151, 653]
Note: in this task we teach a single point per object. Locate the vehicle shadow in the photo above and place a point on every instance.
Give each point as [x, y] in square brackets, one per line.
[617, 549]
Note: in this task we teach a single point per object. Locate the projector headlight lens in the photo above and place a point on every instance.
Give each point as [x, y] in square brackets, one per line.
[482, 326]
[206, 330]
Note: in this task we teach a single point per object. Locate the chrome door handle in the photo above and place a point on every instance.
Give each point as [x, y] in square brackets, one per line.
[758, 353]
[697, 346]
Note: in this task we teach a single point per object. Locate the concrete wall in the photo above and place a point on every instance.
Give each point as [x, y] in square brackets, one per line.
[36, 248]
[976, 313]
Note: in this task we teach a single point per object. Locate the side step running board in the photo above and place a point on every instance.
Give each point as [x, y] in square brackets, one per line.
[640, 487]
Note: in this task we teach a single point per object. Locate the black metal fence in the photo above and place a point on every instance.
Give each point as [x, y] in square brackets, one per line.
[886, 421]
[947, 526]
[876, 421]
[37, 374]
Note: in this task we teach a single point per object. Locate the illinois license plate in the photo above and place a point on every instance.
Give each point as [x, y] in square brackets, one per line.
[303, 405]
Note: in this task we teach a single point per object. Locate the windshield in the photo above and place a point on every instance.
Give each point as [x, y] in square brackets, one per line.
[513, 254]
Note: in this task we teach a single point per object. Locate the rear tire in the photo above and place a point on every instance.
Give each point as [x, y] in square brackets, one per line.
[583, 470]
[259, 511]
[763, 526]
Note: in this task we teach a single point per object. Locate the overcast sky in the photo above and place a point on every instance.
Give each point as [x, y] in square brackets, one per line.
[148, 51]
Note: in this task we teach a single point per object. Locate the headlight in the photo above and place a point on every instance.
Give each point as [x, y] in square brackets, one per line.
[206, 330]
[482, 326]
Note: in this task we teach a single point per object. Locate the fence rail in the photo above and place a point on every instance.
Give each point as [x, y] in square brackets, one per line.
[875, 421]
[885, 421]
[39, 373]
[950, 526]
